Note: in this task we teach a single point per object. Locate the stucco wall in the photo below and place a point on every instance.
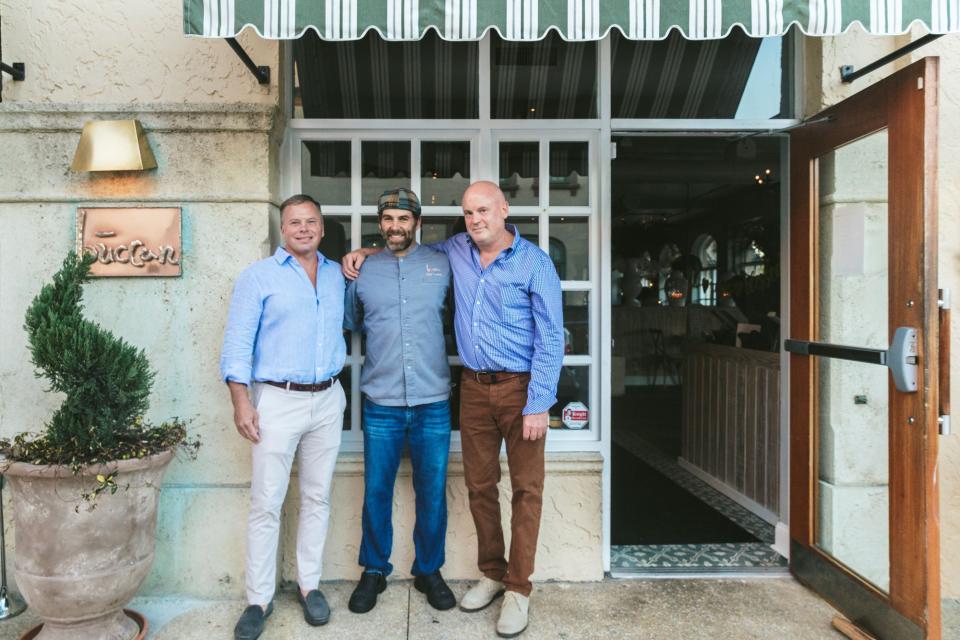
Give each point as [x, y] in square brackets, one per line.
[112, 51]
[822, 87]
[216, 134]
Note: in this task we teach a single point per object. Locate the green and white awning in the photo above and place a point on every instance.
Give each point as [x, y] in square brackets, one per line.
[574, 19]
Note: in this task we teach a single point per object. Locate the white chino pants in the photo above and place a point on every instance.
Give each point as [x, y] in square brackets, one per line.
[309, 426]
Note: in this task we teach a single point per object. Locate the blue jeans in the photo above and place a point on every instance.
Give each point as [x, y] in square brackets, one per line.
[426, 430]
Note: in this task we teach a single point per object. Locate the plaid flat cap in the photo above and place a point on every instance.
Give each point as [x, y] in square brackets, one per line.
[399, 198]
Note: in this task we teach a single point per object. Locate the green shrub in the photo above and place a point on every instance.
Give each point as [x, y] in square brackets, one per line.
[106, 381]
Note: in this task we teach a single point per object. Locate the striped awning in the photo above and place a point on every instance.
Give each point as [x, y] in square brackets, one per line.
[573, 19]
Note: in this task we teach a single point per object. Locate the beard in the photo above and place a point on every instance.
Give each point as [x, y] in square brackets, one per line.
[398, 240]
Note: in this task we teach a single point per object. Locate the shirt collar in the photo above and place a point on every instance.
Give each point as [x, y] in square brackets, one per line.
[281, 256]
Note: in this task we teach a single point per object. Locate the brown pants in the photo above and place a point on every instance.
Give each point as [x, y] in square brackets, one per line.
[490, 414]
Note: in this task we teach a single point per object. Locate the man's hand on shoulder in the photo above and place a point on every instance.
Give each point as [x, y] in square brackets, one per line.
[535, 426]
[350, 265]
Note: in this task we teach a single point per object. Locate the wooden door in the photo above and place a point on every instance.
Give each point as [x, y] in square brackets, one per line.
[863, 307]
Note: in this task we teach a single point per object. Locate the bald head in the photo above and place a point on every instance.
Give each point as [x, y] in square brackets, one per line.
[485, 212]
[486, 188]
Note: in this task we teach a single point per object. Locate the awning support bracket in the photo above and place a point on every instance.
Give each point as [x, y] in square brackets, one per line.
[17, 70]
[849, 73]
[261, 73]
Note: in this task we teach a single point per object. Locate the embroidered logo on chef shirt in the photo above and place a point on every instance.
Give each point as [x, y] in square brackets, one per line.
[434, 272]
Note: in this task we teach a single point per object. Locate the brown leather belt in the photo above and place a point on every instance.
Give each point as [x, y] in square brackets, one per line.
[296, 386]
[493, 377]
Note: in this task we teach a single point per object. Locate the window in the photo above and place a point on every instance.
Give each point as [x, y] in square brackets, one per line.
[704, 286]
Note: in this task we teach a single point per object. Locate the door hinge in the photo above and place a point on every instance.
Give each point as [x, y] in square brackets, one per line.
[943, 298]
[944, 422]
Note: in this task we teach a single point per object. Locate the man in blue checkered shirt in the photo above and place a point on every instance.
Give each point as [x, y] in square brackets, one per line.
[509, 322]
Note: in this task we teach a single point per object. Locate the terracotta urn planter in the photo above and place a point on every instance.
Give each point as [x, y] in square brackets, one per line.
[77, 568]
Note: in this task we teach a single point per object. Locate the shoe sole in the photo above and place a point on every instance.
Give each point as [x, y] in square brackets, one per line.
[492, 600]
[511, 635]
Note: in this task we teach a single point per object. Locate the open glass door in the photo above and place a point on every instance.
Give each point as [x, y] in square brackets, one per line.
[863, 366]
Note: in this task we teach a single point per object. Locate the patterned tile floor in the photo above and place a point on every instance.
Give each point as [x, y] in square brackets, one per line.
[685, 558]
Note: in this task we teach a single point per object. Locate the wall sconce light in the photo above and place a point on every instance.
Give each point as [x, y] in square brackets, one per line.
[113, 145]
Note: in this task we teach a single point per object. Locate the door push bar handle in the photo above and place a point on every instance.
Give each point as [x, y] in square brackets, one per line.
[902, 357]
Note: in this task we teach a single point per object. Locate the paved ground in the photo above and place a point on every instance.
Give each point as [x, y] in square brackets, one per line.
[774, 608]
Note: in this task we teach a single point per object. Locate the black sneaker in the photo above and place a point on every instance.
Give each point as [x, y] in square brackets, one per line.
[316, 611]
[438, 593]
[251, 623]
[364, 597]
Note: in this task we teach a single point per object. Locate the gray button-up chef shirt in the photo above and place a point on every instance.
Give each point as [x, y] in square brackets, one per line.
[398, 303]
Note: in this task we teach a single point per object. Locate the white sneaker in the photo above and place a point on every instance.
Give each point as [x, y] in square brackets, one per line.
[513, 615]
[481, 595]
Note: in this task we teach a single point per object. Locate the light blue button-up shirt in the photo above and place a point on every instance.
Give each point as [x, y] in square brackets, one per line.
[280, 327]
[398, 303]
[509, 316]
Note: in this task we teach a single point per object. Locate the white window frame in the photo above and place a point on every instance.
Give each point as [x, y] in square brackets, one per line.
[485, 129]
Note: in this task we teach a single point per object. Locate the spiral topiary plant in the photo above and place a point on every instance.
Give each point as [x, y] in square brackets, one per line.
[106, 381]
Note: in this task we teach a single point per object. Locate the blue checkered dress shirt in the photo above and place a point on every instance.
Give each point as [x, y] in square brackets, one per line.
[509, 316]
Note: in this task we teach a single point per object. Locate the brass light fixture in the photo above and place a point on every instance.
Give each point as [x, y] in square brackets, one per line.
[113, 145]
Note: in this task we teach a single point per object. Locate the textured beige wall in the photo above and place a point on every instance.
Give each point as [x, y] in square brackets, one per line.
[111, 51]
[823, 88]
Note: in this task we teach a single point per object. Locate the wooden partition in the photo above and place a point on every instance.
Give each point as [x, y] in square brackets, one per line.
[731, 423]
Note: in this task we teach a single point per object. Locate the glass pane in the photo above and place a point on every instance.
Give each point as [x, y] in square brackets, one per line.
[569, 247]
[370, 232]
[384, 165]
[519, 170]
[549, 78]
[347, 384]
[528, 226]
[569, 166]
[853, 496]
[336, 237]
[576, 322]
[573, 390]
[853, 490]
[325, 172]
[370, 78]
[853, 244]
[446, 172]
[434, 229]
[736, 77]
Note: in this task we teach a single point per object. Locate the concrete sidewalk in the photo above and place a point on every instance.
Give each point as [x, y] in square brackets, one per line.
[771, 608]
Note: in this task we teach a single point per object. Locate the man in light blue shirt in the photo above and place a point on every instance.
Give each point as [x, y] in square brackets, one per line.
[282, 351]
[397, 301]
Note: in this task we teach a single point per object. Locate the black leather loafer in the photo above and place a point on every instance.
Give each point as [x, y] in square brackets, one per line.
[438, 593]
[316, 611]
[364, 597]
[251, 623]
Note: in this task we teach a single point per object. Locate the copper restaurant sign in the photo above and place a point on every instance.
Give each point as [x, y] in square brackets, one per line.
[131, 242]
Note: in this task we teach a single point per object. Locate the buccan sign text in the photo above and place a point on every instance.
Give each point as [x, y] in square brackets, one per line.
[132, 241]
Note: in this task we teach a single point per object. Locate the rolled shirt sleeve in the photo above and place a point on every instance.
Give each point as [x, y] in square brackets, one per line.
[243, 321]
[546, 305]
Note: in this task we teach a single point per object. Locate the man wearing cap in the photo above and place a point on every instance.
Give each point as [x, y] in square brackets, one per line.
[397, 302]
[282, 351]
[509, 325]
